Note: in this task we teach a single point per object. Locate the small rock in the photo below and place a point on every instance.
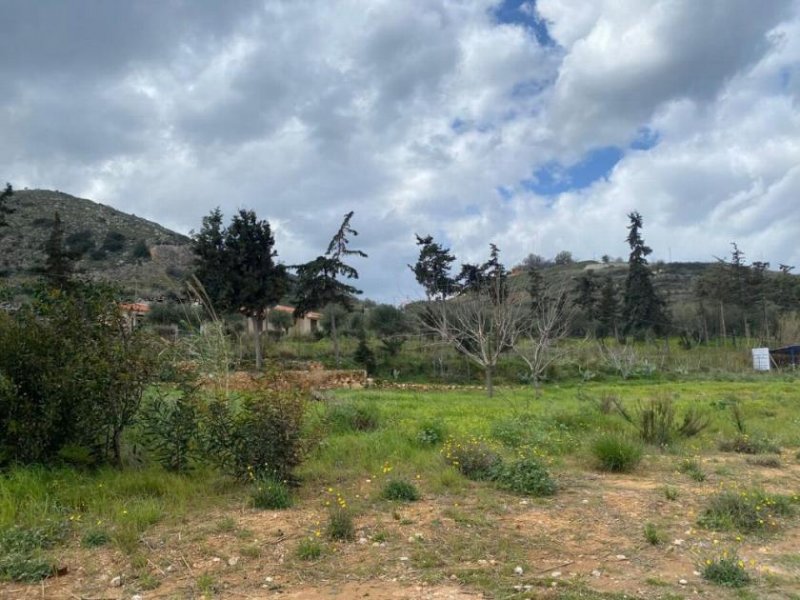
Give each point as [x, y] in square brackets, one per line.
[518, 570]
[362, 540]
[621, 557]
[268, 579]
[518, 588]
[677, 542]
[482, 561]
[697, 573]
[403, 558]
[453, 577]
[116, 581]
[383, 544]
[555, 574]
[375, 544]
[596, 573]
[682, 581]
[216, 559]
[523, 502]
[584, 501]
[136, 597]
[233, 561]
[412, 539]
[169, 568]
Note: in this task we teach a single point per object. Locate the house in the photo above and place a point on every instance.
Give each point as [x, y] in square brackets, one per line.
[307, 325]
[133, 312]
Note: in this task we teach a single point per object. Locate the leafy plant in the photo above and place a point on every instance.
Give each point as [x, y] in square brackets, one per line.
[431, 433]
[671, 493]
[692, 468]
[744, 443]
[260, 436]
[727, 570]
[616, 453]
[95, 537]
[474, 458]
[652, 534]
[398, 489]
[525, 476]
[340, 524]
[746, 511]
[269, 493]
[171, 427]
[309, 549]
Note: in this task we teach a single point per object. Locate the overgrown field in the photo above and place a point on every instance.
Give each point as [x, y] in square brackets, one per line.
[597, 490]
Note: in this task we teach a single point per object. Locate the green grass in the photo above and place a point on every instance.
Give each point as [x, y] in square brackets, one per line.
[748, 511]
[617, 453]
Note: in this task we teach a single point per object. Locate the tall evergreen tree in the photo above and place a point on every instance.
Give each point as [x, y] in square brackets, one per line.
[318, 280]
[432, 269]
[58, 263]
[643, 310]
[608, 309]
[237, 267]
[585, 295]
[5, 195]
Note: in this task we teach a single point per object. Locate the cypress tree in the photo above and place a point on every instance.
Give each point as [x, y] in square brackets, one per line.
[643, 310]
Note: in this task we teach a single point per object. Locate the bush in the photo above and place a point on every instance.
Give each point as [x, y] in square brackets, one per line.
[21, 556]
[94, 538]
[616, 453]
[526, 476]
[727, 570]
[397, 489]
[746, 511]
[340, 525]
[170, 427]
[743, 443]
[113, 242]
[655, 420]
[364, 355]
[692, 468]
[475, 458]
[652, 534]
[71, 375]
[269, 493]
[344, 417]
[309, 549]
[431, 433]
[261, 435]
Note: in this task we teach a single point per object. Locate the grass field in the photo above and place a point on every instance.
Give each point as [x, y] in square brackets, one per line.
[675, 525]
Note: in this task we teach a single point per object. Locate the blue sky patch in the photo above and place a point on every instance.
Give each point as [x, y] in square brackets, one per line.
[553, 178]
[645, 139]
[522, 12]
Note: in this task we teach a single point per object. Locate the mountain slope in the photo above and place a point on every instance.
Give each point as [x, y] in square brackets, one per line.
[144, 258]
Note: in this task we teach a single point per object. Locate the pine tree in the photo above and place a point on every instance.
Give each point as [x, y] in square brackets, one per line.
[58, 264]
[607, 309]
[643, 309]
[585, 294]
[5, 195]
[432, 269]
[237, 267]
[318, 283]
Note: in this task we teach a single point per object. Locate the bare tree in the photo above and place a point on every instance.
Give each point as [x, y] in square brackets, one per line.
[547, 323]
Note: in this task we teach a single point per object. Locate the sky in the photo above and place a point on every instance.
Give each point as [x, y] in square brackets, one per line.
[534, 125]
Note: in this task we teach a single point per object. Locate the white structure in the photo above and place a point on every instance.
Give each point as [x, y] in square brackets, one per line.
[761, 359]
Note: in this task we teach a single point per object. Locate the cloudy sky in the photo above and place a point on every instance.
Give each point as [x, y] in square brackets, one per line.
[534, 125]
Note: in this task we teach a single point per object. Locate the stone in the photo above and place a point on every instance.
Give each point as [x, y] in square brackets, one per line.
[116, 581]
[518, 570]
[682, 581]
[233, 561]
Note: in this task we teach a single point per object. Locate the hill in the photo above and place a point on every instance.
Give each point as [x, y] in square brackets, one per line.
[147, 260]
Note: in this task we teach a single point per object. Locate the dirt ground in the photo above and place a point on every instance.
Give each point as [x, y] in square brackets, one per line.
[476, 543]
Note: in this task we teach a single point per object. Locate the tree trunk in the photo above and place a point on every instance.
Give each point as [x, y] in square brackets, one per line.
[489, 382]
[257, 322]
[335, 338]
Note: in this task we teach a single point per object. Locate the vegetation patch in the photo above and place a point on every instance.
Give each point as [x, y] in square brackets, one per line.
[270, 493]
[747, 511]
[726, 570]
[475, 458]
[616, 452]
[348, 416]
[526, 476]
[398, 489]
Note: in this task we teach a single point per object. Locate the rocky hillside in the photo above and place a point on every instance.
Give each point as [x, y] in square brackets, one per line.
[146, 259]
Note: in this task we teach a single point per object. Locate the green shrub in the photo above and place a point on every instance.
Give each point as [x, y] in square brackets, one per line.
[431, 433]
[398, 489]
[269, 493]
[170, 427]
[692, 468]
[474, 458]
[744, 443]
[73, 375]
[525, 476]
[261, 435]
[21, 557]
[344, 417]
[727, 570]
[340, 525]
[364, 355]
[309, 549]
[746, 511]
[769, 461]
[95, 537]
[652, 534]
[113, 242]
[616, 453]
[671, 493]
[656, 420]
